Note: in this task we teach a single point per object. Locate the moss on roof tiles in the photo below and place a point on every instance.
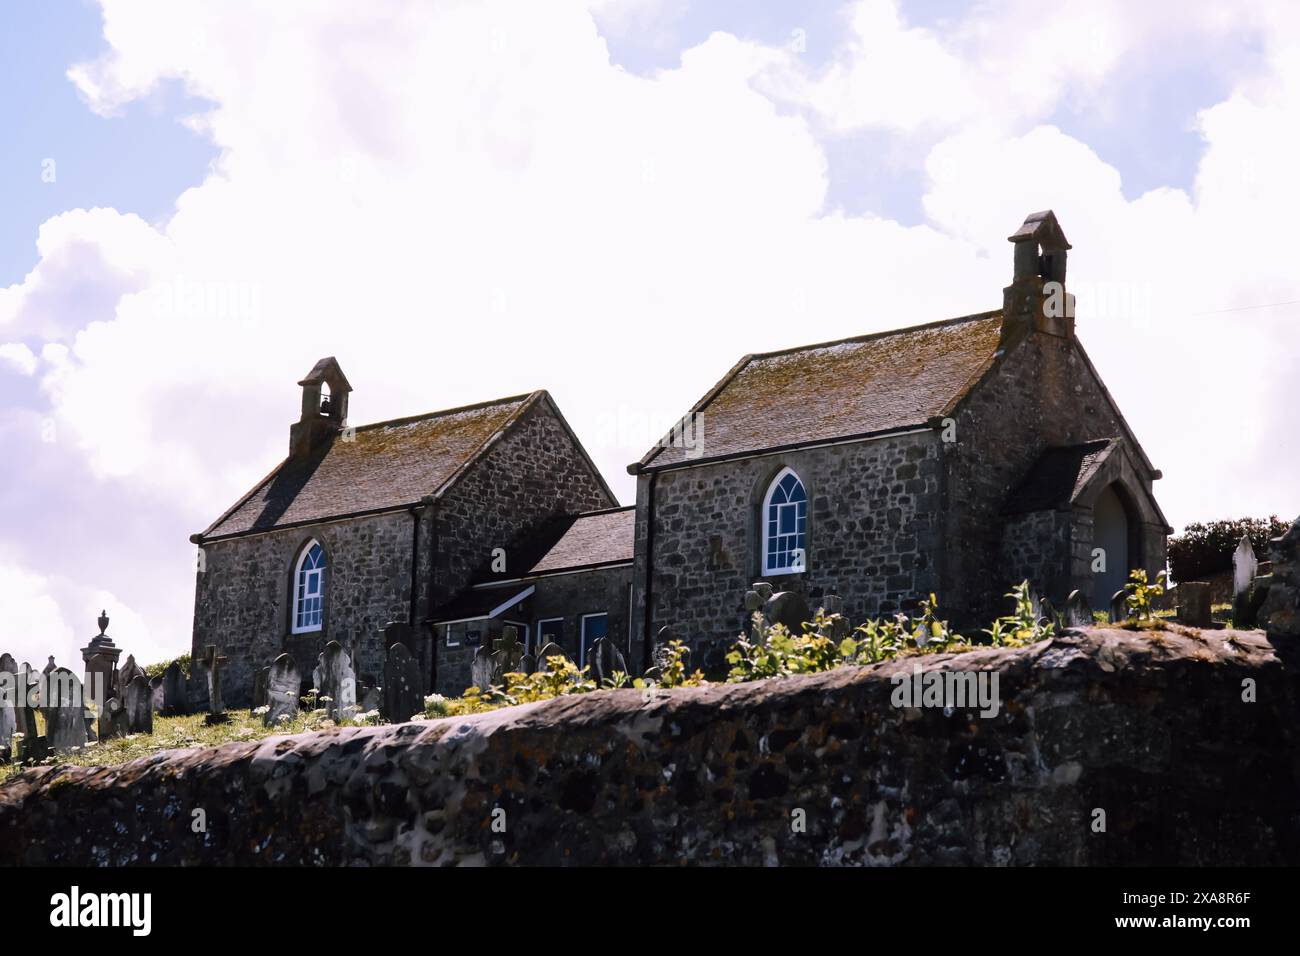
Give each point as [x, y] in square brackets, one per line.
[857, 386]
[383, 465]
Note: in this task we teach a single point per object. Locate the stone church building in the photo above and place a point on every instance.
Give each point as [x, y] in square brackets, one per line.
[957, 457]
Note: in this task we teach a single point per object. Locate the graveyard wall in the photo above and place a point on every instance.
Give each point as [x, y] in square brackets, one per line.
[871, 539]
[1151, 730]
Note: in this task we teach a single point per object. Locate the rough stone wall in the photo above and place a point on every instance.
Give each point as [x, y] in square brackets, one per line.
[1040, 394]
[570, 596]
[533, 473]
[1152, 730]
[1036, 547]
[872, 508]
[243, 598]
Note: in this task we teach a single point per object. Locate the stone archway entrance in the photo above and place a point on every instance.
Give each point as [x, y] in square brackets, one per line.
[1110, 532]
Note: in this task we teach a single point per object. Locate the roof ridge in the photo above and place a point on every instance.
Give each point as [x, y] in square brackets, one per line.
[604, 511]
[869, 336]
[408, 419]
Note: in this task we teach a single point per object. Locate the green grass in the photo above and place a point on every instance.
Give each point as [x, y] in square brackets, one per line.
[171, 733]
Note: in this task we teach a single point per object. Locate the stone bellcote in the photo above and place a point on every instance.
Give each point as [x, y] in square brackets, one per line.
[324, 408]
[1036, 300]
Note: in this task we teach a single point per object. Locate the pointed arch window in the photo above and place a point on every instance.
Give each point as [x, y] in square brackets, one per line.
[785, 525]
[309, 589]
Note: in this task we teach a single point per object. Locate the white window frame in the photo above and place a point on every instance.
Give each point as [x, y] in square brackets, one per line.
[796, 567]
[450, 642]
[582, 634]
[540, 622]
[297, 628]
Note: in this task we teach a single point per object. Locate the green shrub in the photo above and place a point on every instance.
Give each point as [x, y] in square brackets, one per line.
[1206, 549]
[157, 670]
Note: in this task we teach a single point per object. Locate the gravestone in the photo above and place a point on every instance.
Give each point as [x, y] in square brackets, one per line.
[1280, 611]
[212, 663]
[113, 719]
[1077, 611]
[261, 680]
[63, 707]
[128, 672]
[509, 652]
[370, 698]
[283, 689]
[605, 659]
[31, 748]
[101, 656]
[402, 697]
[1244, 569]
[789, 608]
[336, 681]
[137, 699]
[1194, 603]
[551, 649]
[156, 691]
[175, 702]
[483, 669]
[662, 654]
[399, 632]
[9, 700]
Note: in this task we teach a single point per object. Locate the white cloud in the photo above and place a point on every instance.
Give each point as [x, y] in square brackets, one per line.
[18, 357]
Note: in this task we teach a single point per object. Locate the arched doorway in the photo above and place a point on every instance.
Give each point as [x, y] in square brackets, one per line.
[1110, 532]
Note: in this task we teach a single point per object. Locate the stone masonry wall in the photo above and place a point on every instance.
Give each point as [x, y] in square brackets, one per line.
[1041, 394]
[872, 509]
[1152, 730]
[1036, 548]
[534, 472]
[243, 597]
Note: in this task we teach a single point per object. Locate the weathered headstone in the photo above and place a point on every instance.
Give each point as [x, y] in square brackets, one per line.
[8, 705]
[1244, 569]
[483, 669]
[156, 690]
[284, 686]
[549, 650]
[369, 698]
[101, 656]
[1280, 613]
[1194, 603]
[175, 700]
[261, 686]
[509, 652]
[789, 608]
[402, 697]
[63, 707]
[1077, 611]
[113, 721]
[31, 747]
[212, 663]
[138, 701]
[127, 673]
[605, 659]
[336, 681]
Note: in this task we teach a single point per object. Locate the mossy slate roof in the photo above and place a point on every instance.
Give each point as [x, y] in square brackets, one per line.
[871, 384]
[386, 465]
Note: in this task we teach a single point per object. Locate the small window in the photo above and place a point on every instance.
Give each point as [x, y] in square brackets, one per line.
[309, 589]
[453, 634]
[594, 627]
[785, 525]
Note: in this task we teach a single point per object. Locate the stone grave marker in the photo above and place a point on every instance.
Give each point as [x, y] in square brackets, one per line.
[31, 747]
[551, 649]
[1244, 568]
[336, 680]
[128, 672]
[1194, 603]
[63, 707]
[402, 696]
[261, 686]
[283, 689]
[605, 658]
[509, 652]
[175, 702]
[370, 697]
[113, 720]
[212, 663]
[138, 702]
[1280, 613]
[789, 608]
[1077, 611]
[482, 670]
[156, 690]
[9, 691]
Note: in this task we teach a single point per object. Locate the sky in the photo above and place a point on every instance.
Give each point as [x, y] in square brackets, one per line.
[613, 200]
